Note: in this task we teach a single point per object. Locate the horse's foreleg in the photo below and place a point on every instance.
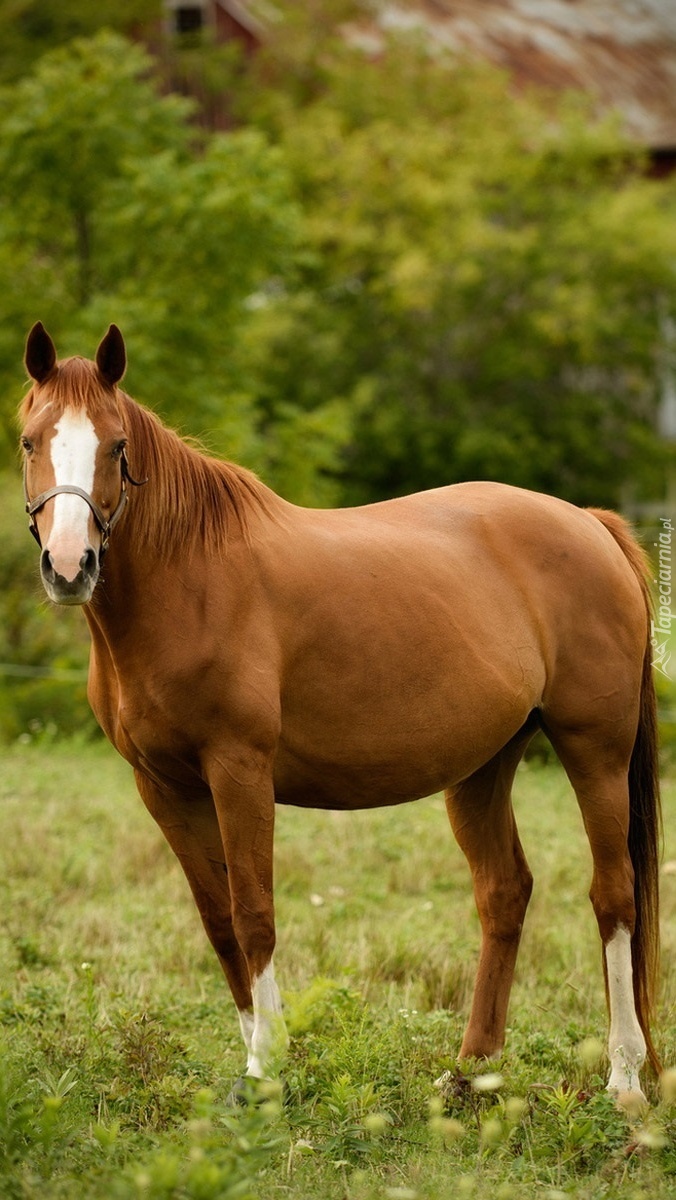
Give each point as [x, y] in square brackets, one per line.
[191, 828]
[244, 804]
[481, 815]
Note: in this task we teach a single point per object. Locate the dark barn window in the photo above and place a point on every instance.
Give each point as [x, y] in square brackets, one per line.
[189, 18]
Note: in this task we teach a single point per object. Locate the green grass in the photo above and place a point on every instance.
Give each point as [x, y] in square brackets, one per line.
[119, 1041]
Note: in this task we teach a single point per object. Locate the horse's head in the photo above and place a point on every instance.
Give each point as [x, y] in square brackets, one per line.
[75, 467]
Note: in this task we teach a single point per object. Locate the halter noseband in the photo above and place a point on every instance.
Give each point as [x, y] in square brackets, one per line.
[106, 525]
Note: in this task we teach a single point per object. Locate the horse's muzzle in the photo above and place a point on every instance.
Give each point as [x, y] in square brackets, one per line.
[78, 590]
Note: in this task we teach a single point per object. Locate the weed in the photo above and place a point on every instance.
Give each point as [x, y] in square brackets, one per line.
[32, 1129]
[146, 1048]
[222, 1155]
[17, 1119]
[153, 1087]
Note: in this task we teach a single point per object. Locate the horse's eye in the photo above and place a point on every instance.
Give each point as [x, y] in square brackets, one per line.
[118, 450]
[27, 445]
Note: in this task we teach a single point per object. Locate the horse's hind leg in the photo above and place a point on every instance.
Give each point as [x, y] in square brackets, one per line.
[601, 787]
[481, 814]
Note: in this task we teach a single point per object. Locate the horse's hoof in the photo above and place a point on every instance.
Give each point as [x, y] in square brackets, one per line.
[633, 1103]
[452, 1086]
[239, 1093]
[248, 1090]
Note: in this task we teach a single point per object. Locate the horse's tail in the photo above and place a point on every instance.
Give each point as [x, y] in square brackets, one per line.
[645, 817]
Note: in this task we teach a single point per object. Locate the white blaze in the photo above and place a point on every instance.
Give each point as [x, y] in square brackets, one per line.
[73, 453]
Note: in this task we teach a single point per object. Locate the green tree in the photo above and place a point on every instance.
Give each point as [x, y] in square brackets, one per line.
[392, 274]
[481, 280]
[70, 134]
[30, 28]
[116, 207]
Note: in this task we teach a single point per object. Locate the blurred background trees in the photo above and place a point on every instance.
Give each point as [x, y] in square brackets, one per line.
[380, 276]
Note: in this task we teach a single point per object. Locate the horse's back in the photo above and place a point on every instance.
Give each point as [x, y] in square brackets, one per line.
[481, 548]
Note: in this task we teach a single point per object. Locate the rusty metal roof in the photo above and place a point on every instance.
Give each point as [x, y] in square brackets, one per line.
[621, 52]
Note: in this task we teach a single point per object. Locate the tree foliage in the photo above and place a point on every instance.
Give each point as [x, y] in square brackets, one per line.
[30, 28]
[119, 209]
[390, 274]
[482, 281]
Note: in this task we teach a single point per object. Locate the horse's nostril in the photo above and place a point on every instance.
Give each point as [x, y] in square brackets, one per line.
[47, 565]
[88, 562]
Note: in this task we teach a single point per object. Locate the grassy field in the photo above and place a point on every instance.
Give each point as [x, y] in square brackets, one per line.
[119, 1041]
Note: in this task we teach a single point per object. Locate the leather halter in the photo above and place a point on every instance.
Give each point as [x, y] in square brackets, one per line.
[106, 525]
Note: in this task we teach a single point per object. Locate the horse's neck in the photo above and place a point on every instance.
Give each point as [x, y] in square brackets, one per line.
[165, 568]
[128, 591]
[148, 597]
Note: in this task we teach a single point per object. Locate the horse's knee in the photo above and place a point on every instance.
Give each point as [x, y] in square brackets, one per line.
[502, 903]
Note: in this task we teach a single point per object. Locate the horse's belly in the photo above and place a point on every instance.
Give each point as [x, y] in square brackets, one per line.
[381, 762]
[383, 711]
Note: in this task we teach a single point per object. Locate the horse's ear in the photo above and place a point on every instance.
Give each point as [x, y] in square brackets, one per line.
[40, 355]
[111, 356]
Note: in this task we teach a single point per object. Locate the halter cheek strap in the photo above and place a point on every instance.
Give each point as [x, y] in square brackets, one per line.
[105, 524]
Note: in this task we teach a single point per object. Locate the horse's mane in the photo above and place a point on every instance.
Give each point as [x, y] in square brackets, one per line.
[190, 499]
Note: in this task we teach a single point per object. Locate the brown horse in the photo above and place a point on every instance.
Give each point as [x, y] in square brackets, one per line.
[246, 652]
